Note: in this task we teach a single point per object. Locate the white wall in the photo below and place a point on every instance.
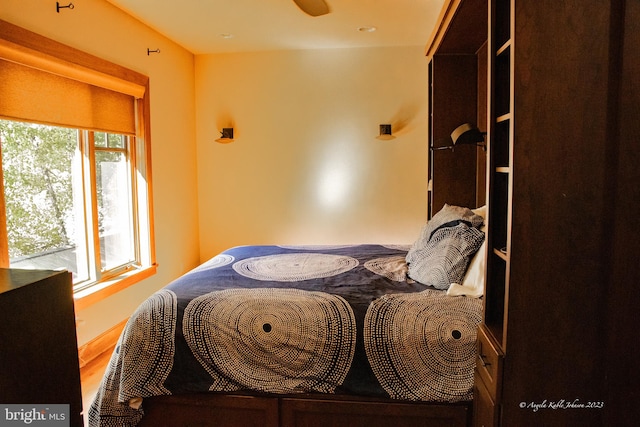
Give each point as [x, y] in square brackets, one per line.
[99, 28]
[305, 166]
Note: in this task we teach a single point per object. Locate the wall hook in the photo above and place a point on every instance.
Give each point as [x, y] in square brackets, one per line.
[149, 51]
[58, 6]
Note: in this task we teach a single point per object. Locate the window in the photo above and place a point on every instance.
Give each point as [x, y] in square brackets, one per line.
[75, 187]
[70, 201]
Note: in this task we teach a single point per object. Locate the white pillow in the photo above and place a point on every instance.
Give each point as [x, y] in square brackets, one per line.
[482, 211]
[473, 282]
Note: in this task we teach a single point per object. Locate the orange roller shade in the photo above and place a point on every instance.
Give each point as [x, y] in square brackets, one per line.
[30, 94]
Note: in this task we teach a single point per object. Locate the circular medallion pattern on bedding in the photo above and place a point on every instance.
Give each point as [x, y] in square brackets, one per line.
[435, 359]
[399, 247]
[217, 261]
[314, 247]
[294, 267]
[392, 267]
[151, 327]
[272, 340]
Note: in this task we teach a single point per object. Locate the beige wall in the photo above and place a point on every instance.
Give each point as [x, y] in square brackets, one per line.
[99, 28]
[305, 167]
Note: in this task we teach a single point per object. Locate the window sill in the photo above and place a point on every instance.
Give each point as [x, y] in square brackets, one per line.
[102, 290]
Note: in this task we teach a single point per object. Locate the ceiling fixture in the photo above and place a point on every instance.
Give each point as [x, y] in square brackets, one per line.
[313, 7]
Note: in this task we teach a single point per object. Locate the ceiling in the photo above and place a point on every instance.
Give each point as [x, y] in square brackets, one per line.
[218, 26]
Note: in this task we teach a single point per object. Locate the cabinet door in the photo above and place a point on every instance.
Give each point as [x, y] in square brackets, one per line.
[489, 364]
[338, 413]
[210, 410]
[485, 411]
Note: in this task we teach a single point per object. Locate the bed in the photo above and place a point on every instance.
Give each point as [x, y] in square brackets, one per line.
[308, 336]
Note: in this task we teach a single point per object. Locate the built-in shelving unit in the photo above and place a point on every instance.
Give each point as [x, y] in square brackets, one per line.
[552, 111]
[492, 335]
[500, 183]
[560, 112]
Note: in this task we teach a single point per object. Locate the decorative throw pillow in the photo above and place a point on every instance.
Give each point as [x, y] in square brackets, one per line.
[448, 215]
[443, 260]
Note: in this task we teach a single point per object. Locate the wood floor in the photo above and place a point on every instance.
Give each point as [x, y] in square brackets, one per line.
[90, 376]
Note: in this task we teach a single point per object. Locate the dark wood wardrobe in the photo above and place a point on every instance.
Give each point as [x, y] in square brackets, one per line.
[558, 345]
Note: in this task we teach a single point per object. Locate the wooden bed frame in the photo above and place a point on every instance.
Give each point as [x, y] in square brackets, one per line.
[309, 410]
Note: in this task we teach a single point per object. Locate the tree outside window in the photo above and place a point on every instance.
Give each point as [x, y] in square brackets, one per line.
[68, 199]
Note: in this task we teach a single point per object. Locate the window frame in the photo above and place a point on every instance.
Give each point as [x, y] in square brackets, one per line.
[24, 47]
[88, 150]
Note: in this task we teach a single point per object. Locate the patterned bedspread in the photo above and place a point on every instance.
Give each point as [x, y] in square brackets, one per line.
[275, 319]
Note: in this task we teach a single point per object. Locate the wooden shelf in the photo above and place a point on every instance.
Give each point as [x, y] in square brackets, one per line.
[503, 118]
[503, 48]
[501, 253]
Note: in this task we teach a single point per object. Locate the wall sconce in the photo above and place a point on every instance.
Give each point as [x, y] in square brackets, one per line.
[465, 134]
[468, 134]
[226, 136]
[385, 133]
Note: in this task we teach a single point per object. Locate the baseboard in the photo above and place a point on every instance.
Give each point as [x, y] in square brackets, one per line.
[104, 342]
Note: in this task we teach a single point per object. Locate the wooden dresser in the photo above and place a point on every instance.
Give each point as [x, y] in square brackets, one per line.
[38, 345]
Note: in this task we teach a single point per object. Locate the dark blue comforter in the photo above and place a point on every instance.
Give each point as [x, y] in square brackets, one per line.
[281, 319]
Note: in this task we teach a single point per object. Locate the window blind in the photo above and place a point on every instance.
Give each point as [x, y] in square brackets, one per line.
[31, 94]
